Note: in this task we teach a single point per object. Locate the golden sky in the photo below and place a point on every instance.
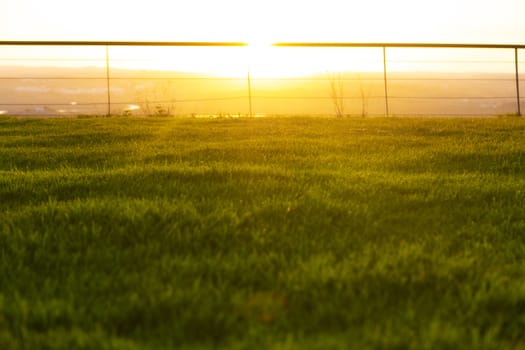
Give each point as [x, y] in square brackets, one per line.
[263, 21]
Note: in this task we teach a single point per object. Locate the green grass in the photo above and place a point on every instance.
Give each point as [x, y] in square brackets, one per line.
[271, 233]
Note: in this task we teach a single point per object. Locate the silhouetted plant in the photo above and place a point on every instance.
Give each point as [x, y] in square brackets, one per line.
[157, 99]
[365, 96]
[337, 93]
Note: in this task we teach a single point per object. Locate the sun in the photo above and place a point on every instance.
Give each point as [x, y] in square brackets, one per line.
[260, 58]
[267, 61]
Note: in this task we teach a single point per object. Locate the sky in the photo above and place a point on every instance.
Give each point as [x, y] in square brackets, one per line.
[473, 21]
[260, 22]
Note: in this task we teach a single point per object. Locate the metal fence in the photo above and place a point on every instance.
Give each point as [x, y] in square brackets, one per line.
[394, 79]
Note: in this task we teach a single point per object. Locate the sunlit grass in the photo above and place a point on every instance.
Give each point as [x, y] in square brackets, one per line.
[287, 233]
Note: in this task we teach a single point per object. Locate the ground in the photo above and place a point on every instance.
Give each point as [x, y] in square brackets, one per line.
[268, 233]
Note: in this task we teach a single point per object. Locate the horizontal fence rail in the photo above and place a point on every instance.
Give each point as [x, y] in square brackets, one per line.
[388, 89]
[279, 44]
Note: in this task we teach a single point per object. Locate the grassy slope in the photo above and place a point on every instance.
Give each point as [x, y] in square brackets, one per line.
[262, 233]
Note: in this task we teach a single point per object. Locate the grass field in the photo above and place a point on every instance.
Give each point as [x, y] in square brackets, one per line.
[268, 233]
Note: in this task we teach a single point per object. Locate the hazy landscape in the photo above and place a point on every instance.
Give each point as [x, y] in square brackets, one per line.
[78, 91]
[295, 231]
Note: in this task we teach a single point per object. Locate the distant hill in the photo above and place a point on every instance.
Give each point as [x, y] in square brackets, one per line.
[73, 91]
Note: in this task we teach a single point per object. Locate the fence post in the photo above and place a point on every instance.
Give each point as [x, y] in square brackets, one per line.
[250, 93]
[387, 112]
[516, 62]
[107, 81]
